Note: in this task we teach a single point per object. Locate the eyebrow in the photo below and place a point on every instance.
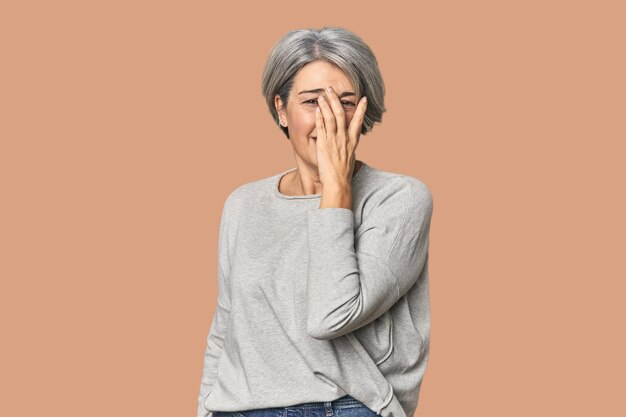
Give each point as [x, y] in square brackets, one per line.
[321, 90]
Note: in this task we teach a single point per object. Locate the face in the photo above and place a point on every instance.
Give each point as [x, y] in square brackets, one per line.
[302, 103]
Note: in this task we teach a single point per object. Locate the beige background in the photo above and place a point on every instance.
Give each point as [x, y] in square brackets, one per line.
[124, 126]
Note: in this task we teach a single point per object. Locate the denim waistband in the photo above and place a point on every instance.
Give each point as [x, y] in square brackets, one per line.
[343, 401]
[316, 409]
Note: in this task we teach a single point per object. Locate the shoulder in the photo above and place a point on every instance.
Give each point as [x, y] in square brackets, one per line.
[396, 191]
[234, 201]
[248, 192]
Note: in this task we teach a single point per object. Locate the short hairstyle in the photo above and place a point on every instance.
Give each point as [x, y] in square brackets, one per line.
[335, 45]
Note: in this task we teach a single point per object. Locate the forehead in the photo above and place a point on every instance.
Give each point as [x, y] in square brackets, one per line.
[320, 74]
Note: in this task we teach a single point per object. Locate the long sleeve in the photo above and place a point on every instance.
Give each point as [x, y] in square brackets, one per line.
[219, 324]
[353, 278]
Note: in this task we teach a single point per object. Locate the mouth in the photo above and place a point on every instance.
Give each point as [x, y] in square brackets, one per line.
[314, 137]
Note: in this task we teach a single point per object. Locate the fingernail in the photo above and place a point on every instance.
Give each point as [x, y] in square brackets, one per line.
[322, 98]
[329, 89]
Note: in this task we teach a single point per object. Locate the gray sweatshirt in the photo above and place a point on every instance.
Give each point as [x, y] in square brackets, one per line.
[314, 304]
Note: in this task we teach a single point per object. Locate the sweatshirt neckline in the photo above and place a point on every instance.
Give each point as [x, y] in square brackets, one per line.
[279, 176]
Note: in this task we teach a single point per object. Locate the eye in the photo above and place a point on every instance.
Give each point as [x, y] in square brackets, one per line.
[345, 103]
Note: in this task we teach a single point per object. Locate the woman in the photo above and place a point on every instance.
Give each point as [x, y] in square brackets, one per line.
[323, 298]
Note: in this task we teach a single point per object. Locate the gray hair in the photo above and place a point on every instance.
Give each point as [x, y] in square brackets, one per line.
[335, 45]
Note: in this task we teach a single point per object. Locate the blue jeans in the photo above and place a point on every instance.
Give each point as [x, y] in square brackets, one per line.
[345, 406]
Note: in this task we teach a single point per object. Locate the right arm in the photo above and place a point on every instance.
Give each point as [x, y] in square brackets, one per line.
[219, 324]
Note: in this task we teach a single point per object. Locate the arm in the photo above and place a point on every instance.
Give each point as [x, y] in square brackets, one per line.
[219, 324]
[355, 278]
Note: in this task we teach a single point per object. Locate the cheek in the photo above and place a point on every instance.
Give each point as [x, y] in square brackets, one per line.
[349, 116]
[304, 120]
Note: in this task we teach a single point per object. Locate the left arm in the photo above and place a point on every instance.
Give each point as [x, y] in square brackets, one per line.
[353, 279]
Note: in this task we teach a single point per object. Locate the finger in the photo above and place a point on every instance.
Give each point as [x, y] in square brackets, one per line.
[329, 118]
[356, 124]
[337, 108]
[319, 124]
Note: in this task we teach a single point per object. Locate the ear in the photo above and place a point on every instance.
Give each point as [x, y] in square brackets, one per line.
[278, 103]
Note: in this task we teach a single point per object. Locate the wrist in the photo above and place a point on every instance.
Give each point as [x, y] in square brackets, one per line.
[336, 195]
